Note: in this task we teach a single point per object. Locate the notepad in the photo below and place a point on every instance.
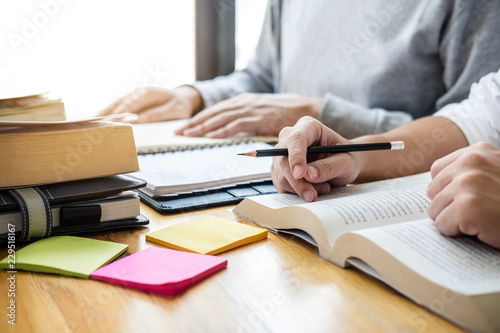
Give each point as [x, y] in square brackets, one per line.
[207, 235]
[65, 255]
[179, 171]
[161, 271]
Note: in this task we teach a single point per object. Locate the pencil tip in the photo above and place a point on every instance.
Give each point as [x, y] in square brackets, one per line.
[250, 153]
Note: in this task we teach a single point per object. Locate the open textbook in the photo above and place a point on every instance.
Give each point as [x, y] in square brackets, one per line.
[383, 229]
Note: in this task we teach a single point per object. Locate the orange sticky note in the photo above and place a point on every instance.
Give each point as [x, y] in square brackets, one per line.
[207, 235]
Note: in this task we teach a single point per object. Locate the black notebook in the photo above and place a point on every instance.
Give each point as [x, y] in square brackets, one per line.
[70, 207]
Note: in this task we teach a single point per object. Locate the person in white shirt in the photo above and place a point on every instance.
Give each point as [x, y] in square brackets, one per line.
[459, 144]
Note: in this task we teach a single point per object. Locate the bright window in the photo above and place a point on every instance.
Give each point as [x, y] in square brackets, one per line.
[91, 52]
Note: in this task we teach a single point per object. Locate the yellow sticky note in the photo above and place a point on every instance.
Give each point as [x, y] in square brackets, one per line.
[207, 235]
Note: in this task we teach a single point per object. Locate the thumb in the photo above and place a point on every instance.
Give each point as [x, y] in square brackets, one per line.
[338, 169]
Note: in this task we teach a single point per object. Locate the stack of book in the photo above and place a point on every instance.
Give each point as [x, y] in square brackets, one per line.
[36, 107]
[67, 177]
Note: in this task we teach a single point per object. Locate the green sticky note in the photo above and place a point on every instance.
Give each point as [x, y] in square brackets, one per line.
[207, 235]
[65, 255]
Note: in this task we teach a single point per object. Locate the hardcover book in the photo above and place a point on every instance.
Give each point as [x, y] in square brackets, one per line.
[383, 229]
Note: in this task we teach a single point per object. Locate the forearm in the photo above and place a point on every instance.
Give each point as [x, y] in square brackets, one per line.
[426, 140]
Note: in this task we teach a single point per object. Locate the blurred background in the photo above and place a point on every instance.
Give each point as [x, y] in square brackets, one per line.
[91, 52]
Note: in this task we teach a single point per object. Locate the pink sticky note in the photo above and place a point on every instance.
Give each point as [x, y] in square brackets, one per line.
[161, 271]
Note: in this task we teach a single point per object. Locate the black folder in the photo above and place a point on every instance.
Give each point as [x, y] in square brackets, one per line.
[208, 198]
[66, 208]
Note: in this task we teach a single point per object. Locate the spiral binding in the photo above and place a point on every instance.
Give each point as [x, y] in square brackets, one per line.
[194, 147]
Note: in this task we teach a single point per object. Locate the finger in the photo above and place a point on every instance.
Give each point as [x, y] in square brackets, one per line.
[109, 109]
[216, 123]
[304, 134]
[491, 238]
[338, 169]
[137, 101]
[285, 181]
[278, 176]
[442, 179]
[194, 125]
[208, 113]
[443, 162]
[283, 186]
[142, 99]
[301, 187]
[440, 201]
[446, 222]
[249, 125]
[323, 188]
[157, 113]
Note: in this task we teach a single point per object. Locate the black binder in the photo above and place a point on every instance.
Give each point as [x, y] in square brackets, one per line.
[76, 202]
[209, 198]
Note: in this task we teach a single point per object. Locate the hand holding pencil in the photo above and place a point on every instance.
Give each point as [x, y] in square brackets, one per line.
[300, 168]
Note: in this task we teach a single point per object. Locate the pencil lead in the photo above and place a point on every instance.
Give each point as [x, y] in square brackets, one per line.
[250, 153]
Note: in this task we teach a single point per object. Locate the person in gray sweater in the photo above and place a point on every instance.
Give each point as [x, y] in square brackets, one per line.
[360, 67]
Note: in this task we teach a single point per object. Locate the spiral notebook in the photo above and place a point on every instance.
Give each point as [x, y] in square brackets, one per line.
[187, 173]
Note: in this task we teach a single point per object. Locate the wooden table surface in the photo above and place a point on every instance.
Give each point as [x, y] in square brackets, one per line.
[274, 285]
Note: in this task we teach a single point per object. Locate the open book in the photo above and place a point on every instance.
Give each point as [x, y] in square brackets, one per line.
[383, 229]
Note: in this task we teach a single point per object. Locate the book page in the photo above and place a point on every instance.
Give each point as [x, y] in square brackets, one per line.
[40, 125]
[370, 210]
[362, 206]
[281, 200]
[462, 264]
[160, 136]
[156, 136]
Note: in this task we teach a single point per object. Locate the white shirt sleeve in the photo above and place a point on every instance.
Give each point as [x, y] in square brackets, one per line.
[479, 115]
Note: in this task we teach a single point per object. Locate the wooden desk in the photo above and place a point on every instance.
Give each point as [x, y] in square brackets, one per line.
[274, 285]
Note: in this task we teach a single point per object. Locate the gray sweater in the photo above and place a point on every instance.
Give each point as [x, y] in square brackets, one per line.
[378, 64]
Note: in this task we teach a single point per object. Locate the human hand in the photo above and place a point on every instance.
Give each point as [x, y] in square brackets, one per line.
[158, 104]
[465, 193]
[311, 175]
[253, 114]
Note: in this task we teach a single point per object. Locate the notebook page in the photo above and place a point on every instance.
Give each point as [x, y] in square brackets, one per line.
[197, 169]
[160, 136]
